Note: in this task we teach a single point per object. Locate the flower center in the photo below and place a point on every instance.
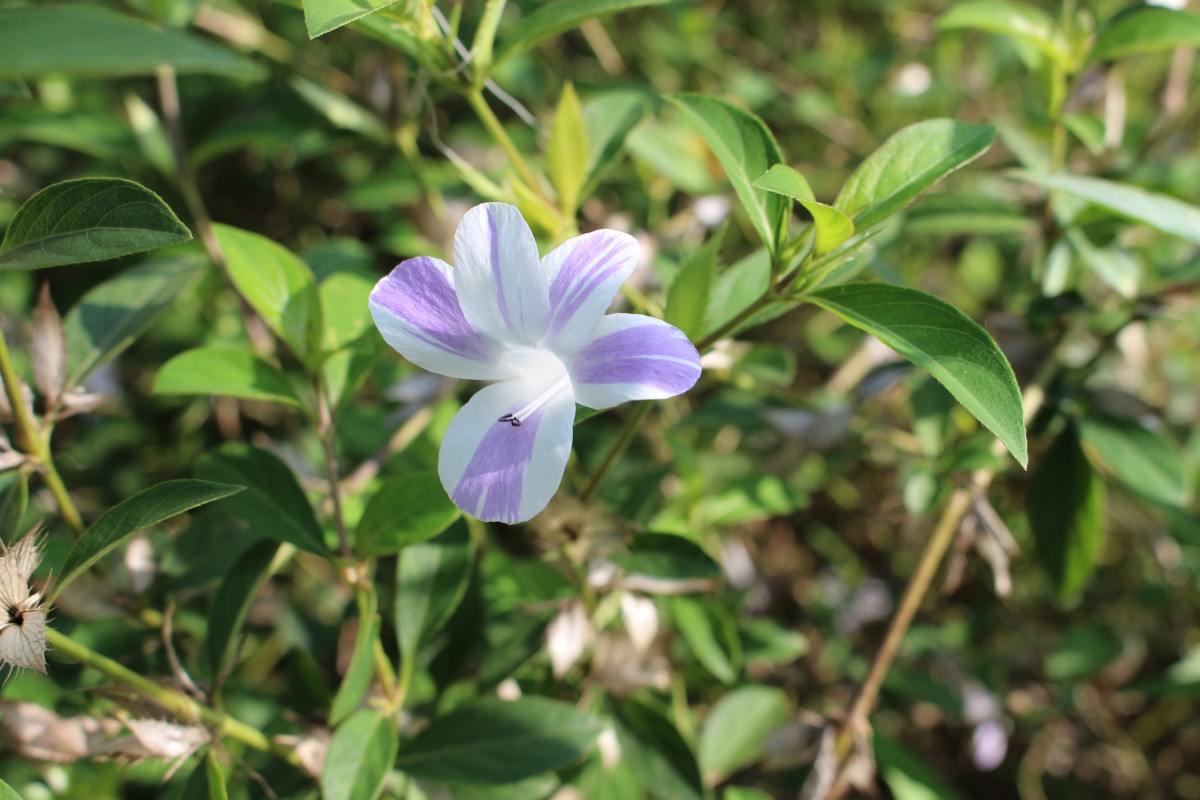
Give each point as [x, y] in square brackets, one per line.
[525, 412]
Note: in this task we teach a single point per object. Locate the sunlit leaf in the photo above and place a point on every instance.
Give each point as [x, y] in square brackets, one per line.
[228, 371]
[833, 227]
[1145, 29]
[88, 219]
[359, 757]
[559, 16]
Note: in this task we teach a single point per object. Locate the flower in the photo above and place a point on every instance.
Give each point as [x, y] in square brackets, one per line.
[22, 615]
[537, 328]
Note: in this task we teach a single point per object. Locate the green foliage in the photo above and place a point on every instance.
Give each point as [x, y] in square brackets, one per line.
[558, 16]
[406, 510]
[496, 742]
[656, 752]
[832, 226]
[1145, 29]
[737, 727]
[323, 16]
[231, 603]
[89, 219]
[230, 371]
[148, 507]
[942, 340]
[1066, 515]
[431, 579]
[359, 757]
[85, 40]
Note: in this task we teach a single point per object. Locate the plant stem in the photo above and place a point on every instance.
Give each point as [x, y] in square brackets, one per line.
[485, 36]
[482, 110]
[33, 442]
[170, 700]
[623, 439]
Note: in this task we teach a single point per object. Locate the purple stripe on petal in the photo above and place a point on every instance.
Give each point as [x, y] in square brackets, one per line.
[595, 260]
[654, 355]
[497, 272]
[421, 295]
[496, 471]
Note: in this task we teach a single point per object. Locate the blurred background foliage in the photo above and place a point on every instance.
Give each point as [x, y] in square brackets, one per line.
[806, 470]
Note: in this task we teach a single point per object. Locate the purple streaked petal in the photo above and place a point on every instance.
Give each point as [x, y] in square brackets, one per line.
[585, 274]
[633, 357]
[417, 311]
[499, 276]
[499, 472]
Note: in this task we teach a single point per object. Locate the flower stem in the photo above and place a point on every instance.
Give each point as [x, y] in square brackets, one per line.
[168, 699]
[488, 117]
[33, 442]
[618, 447]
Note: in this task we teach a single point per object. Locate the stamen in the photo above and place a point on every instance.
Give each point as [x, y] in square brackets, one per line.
[517, 417]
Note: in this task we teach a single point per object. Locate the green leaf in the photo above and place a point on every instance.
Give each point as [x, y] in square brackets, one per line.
[909, 163]
[431, 580]
[1066, 514]
[341, 111]
[609, 118]
[14, 498]
[687, 299]
[228, 371]
[1112, 265]
[277, 284]
[344, 311]
[743, 793]
[111, 315]
[664, 555]
[358, 676]
[323, 16]
[832, 226]
[408, 509]
[554, 18]
[496, 742]
[14, 87]
[359, 758]
[736, 728]
[147, 507]
[232, 602]
[207, 781]
[1145, 29]
[1023, 22]
[88, 219]
[75, 39]
[1082, 653]
[567, 150]
[1159, 211]
[711, 634]
[273, 503]
[906, 775]
[746, 149]
[7, 792]
[1146, 462]
[656, 752]
[943, 341]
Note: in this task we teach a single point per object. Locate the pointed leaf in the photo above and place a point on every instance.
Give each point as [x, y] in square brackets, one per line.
[832, 226]
[737, 727]
[567, 150]
[110, 316]
[656, 752]
[75, 39]
[276, 283]
[1159, 211]
[909, 163]
[274, 504]
[1066, 514]
[1145, 29]
[1147, 462]
[1018, 20]
[357, 679]
[89, 219]
[207, 781]
[687, 299]
[431, 580]
[496, 741]
[404, 511]
[609, 118]
[942, 340]
[554, 18]
[710, 634]
[359, 758]
[147, 507]
[323, 16]
[232, 602]
[228, 371]
[746, 149]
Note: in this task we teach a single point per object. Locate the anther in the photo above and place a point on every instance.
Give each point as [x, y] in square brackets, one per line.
[517, 417]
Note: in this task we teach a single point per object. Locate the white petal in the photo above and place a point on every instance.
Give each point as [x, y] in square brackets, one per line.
[499, 276]
[24, 645]
[417, 310]
[585, 274]
[633, 357]
[496, 471]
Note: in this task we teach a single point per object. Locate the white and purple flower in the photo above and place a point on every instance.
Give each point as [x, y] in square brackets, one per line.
[537, 328]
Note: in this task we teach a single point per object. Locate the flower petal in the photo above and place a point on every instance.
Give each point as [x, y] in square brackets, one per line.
[585, 274]
[500, 472]
[418, 313]
[633, 357]
[499, 276]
